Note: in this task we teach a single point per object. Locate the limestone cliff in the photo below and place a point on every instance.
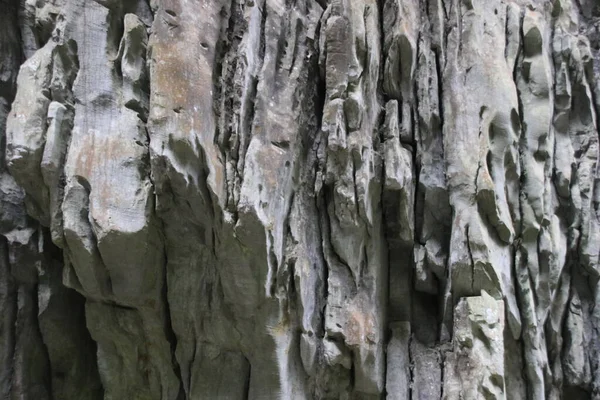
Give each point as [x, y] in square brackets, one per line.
[299, 199]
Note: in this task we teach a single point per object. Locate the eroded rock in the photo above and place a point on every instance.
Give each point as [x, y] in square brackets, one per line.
[299, 200]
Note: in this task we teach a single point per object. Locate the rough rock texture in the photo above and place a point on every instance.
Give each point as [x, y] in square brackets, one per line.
[309, 199]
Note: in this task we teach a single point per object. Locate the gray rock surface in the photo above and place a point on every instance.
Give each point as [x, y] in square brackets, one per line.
[256, 199]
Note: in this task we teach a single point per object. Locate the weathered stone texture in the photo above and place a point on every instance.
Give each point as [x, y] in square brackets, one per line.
[258, 199]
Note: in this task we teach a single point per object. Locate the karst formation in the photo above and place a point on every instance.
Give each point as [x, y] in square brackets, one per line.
[299, 199]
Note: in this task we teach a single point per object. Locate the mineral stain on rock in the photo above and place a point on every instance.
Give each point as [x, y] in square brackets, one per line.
[336, 199]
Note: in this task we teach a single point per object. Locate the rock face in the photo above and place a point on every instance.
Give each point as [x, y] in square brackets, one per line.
[256, 199]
